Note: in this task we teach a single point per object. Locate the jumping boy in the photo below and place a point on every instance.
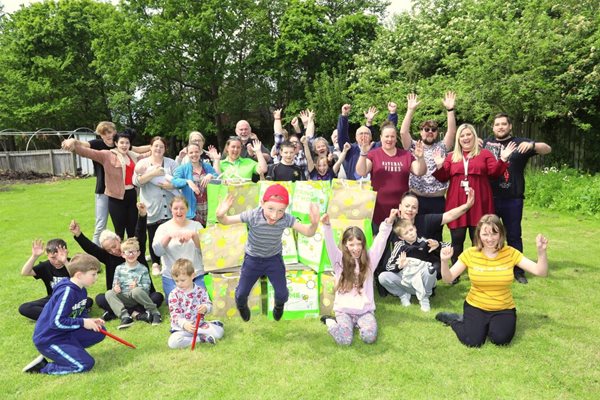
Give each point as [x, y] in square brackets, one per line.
[266, 224]
[63, 330]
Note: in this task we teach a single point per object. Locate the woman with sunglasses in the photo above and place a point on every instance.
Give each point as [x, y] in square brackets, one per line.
[428, 189]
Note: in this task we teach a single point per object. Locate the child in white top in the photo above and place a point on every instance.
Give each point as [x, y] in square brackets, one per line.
[353, 268]
[186, 301]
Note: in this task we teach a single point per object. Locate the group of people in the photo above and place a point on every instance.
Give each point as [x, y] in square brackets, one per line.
[479, 187]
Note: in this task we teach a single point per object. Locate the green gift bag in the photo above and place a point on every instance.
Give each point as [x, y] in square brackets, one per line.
[339, 225]
[312, 251]
[245, 197]
[307, 192]
[288, 245]
[221, 289]
[326, 292]
[223, 246]
[351, 201]
[303, 300]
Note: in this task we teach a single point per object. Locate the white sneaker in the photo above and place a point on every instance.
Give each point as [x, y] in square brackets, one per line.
[425, 306]
[35, 366]
[405, 300]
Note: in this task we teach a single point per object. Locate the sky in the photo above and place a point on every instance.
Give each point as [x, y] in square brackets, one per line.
[13, 5]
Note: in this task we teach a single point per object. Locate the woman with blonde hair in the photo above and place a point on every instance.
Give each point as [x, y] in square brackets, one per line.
[469, 166]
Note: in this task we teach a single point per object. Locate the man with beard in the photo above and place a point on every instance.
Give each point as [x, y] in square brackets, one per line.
[428, 189]
[244, 132]
[509, 189]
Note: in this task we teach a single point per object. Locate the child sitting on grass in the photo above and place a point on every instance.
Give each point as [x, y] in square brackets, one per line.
[266, 224]
[131, 287]
[50, 272]
[410, 269]
[63, 330]
[186, 301]
[353, 269]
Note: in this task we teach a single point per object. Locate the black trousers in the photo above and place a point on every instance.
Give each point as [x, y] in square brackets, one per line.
[156, 297]
[123, 213]
[458, 236]
[478, 324]
[33, 309]
[151, 232]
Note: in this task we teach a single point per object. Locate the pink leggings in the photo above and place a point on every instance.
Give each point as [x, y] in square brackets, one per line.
[343, 331]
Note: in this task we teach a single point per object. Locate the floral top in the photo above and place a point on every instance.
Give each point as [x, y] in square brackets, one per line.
[183, 306]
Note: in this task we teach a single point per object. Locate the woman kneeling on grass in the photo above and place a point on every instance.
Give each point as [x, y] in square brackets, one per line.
[489, 309]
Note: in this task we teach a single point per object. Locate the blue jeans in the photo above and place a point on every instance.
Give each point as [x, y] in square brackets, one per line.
[255, 267]
[101, 216]
[169, 284]
[511, 213]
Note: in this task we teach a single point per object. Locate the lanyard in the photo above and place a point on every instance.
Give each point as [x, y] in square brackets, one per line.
[466, 166]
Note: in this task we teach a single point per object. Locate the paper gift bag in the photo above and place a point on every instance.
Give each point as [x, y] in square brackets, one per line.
[223, 246]
[351, 202]
[303, 300]
[289, 186]
[312, 251]
[307, 192]
[326, 292]
[221, 289]
[344, 183]
[288, 244]
[338, 226]
[245, 197]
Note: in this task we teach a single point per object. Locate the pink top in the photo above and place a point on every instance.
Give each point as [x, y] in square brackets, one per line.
[356, 301]
[389, 178]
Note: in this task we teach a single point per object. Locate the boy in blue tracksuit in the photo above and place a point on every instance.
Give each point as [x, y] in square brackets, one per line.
[63, 330]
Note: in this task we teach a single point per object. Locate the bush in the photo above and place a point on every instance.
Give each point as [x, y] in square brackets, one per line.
[564, 189]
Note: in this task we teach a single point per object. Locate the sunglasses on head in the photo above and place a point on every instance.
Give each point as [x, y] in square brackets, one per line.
[430, 130]
[52, 250]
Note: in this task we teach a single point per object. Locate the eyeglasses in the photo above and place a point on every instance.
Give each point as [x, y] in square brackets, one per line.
[131, 252]
[427, 130]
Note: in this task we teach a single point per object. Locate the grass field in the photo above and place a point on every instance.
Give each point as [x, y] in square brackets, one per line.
[555, 354]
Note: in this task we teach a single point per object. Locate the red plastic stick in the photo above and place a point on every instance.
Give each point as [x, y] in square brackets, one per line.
[198, 318]
[118, 339]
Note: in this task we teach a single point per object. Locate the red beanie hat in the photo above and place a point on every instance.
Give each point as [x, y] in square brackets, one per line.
[276, 193]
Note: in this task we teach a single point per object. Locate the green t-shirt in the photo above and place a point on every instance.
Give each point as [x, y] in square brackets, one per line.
[242, 168]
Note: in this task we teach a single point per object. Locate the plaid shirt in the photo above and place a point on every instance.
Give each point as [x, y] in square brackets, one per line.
[299, 159]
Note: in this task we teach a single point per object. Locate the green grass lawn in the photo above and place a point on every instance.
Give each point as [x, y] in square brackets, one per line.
[554, 355]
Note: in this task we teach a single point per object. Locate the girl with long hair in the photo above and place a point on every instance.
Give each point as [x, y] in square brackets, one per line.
[353, 268]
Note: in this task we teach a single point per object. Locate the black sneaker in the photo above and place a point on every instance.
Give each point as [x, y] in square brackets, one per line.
[88, 305]
[126, 322]
[156, 319]
[244, 312]
[277, 312]
[35, 366]
[144, 317]
[380, 289]
[521, 279]
[108, 316]
[448, 318]
[324, 318]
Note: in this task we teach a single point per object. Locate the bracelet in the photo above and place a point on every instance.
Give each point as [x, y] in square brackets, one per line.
[449, 109]
[364, 154]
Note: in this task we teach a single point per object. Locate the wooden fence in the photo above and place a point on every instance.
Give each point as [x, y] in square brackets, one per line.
[55, 162]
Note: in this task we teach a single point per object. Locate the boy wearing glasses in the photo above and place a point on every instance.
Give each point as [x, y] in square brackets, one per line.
[50, 272]
[131, 287]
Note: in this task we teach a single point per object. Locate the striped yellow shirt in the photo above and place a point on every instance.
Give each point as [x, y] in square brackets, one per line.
[491, 278]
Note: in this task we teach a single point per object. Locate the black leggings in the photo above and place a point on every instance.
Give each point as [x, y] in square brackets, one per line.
[33, 309]
[123, 213]
[458, 236]
[478, 324]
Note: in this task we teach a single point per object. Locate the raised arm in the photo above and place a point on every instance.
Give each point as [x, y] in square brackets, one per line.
[393, 113]
[309, 230]
[308, 154]
[449, 101]
[456, 212]
[310, 126]
[37, 249]
[450, 274]
[222, 209]
[364, 165]
[261, 168]
[412, 102]
[539, 268]
[341, 158]
[418, 167]
[342, 126]
[277, 126]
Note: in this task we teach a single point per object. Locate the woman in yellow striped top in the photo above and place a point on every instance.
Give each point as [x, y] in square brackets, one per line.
[489, 309]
